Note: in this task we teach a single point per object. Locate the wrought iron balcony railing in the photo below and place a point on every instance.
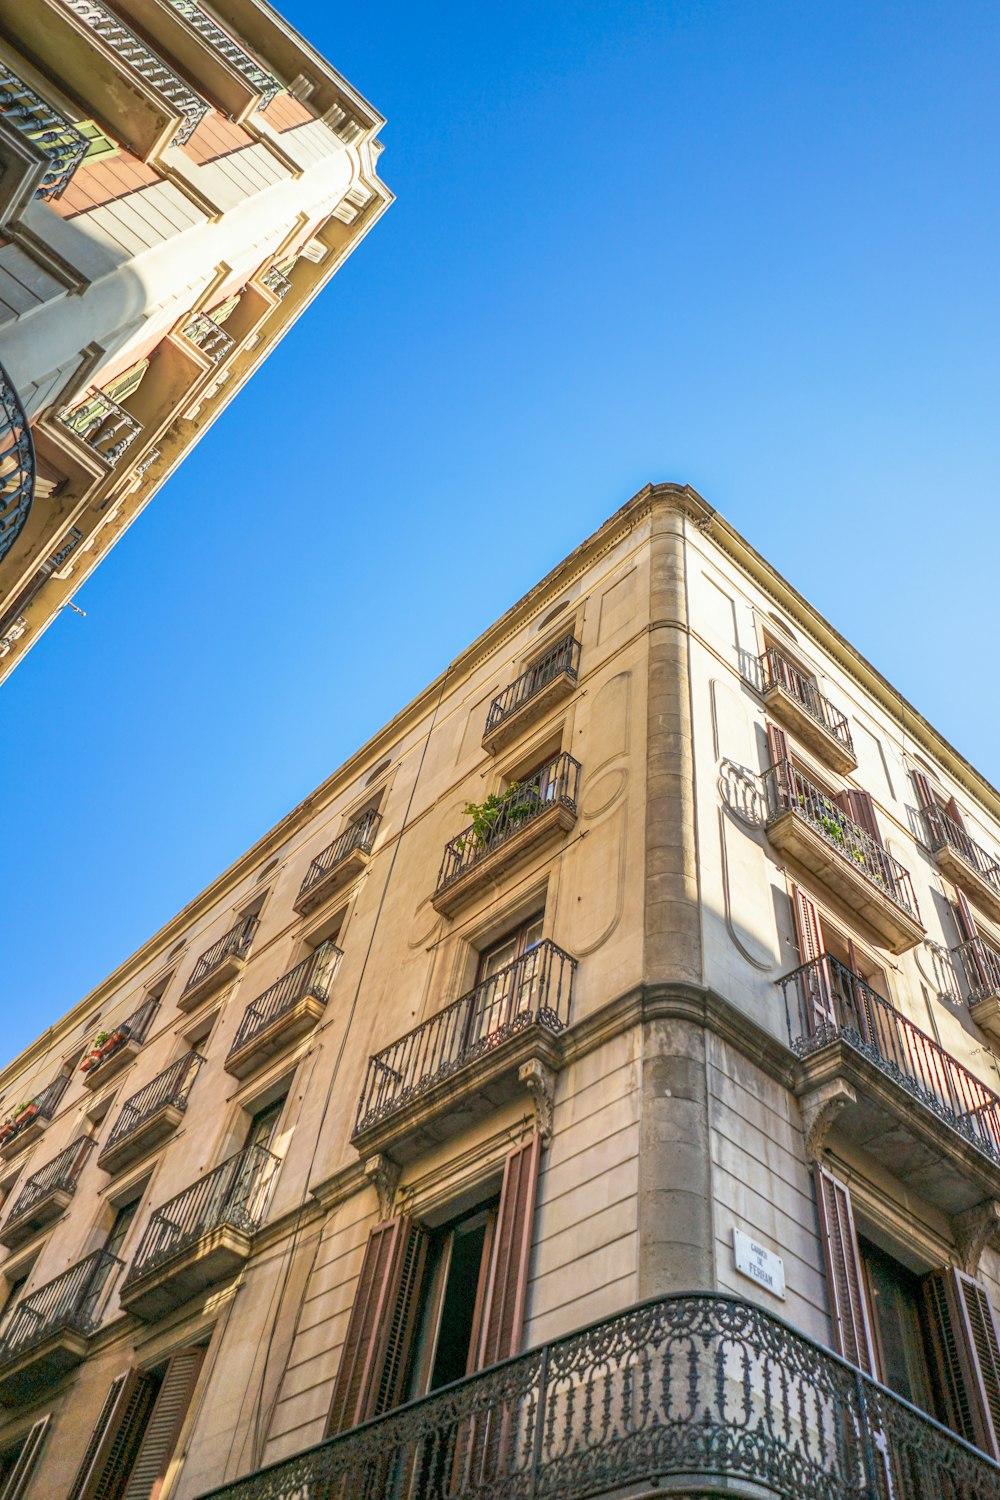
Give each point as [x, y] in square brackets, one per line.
[858, 1015]
[360, 836]
[259, 79]
[134, 1028]
[555, 783]
[57, 1176]
[168, 1089]
[52, 136]
[42, 1107]
[103, 425]
[786, 789]
[707, 1389]
[534, 990]
[277, 282]
[943, 831]
[311, 977]
[17, 465]
[234, 1195]
[982, 968]
[777, 671]
[563, 656]
[210, 337]
[235, 943]
[141, 59]
[70, 1302]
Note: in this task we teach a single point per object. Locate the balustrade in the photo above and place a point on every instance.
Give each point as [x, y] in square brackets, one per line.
[17, 465]
[27, 113]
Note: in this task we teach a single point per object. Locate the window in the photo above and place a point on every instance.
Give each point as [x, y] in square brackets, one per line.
[18, 1460]
[505, 987]
[895, 1306]
[458, 1258]
[12, 1295]
[264, 1125]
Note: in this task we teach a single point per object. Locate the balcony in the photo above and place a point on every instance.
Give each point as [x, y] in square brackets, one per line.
[511, 826]
[220, 964]
[202, 1236]
[795, 701]
[45, 147]
[210, 337]
[30, 1121]
[963, 860]
[687, 1395]
[151, 1115]
[465, 1061]
[981, 963]
[339, 864]
[549, 678]
[284, 1013]
[907, 1102]
[47, 1333]
[17, 465]
[107, 1059]
[46, 1195]
[277, 282]
[106, 428]
[263, 84]
[803, 822]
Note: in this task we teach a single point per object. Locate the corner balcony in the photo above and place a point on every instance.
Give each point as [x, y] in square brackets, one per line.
[200, 1237]
[465, 1061]
[284, 1013]
[151, 1115]
[107, 1059]
[549, 679]
[38, 142]
[527, 814]
[897, 1094]
[981, 963]
[103, 426]
[795, 701]
[46, 1195]
[219, 965]
[30, 1121]
[48, 1332]
[17, 465]
[963, 860]
[339, 864]
[692, 1395]
[803, 822]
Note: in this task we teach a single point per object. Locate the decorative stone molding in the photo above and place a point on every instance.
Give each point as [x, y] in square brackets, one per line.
[974, 1230]
[383, 1174]
[819, 1111]
[540, 1081]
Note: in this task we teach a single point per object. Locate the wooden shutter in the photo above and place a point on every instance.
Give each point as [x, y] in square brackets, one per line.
[149, 1469]
[967, 1356]
[810, 937]
[860, 808]
[925, 792]
[954, 812]
[777, 744]
[503, 1307]
[969, 933]
[17, 1480]
[116, 1437]
[848, 1309]
[375, 1356]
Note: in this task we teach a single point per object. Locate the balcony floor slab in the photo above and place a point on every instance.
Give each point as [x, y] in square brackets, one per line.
[488, 870]
[224, 973]
[968, 878]
[43, 1212]
[342, 873]
[110, 1067]
[140, 1141]
[786, 708]
[293, 1024]
[529, 712]
[212, 1258]
[42, 1365]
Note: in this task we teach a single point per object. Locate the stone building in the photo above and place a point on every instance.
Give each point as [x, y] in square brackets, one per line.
[588, 1090]
[177, 182]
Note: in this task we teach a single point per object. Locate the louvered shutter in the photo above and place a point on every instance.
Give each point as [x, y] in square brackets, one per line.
[116, 1438]
[969, 933]
[954, 812]
[778, 784]
[967, 1356]
[929, 807]
[503, 1307]
[817, 984]
[777, 744]
[848, 1309]
[375, 1356]
[860, 808]
[149, 1469]
[17, 1480]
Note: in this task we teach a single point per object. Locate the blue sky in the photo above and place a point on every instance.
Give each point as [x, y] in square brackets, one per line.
[748, 246]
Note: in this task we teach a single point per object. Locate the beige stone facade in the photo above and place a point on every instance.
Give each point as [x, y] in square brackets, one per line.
[467, 1085]
[179, 181]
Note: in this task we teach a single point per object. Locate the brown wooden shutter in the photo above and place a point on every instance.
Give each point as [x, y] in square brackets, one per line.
[967, 1356]
[116, 1437]
[777, 744]
[848, 1309]
[969, 933]
[503, 1308]
[375, 1356]
[925, 792]
[860, 808]
[149, 1469]
[954, 812]
[810, 938]
[24, 1467]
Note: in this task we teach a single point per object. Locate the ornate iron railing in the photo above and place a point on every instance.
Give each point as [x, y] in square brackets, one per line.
[58, 1175]
[556, 782]
[982, 968]
[705, 1388]
[233, 1195]
[235, 943]
[786, 789]
[141, 59]
[169, 1088]
[17, 465]
[563, 656]
[210, 337]
[259, 79]
[70, 1302]
[26, 112]
[825, 1001]
[103, 425]
[277, 282]
[43, 1106]
[360, 835]
[777, 671]
[534, 990]
[134, 1028]
[942, 830]
[311, 977]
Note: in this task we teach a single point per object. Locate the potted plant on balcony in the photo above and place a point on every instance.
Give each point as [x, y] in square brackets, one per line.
[509, 808]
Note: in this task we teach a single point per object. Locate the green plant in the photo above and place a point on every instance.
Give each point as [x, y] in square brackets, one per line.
[101, 1038]
[513, 805]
